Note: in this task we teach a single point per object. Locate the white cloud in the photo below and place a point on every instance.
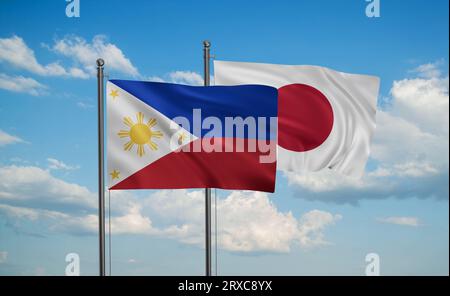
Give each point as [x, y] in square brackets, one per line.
[312, 225]
[30, 213]
[55, 221]
[34, 186]
[405, 221]
[251, 222]
[7, 139]
[248, 221]
[86, 224]
[411, 138]
[3, 256]
[324, 181]
[180, 77]
[246, 229]
[58, 221]
[15, 52]
[54, 164]
[415, 169]
[83, 55]
[409, 152]
[424, 102]
[398, 140]
[186, 77]
[429, 70]
[22, 85]
[132, 222]
[156, 79]
[86, 53]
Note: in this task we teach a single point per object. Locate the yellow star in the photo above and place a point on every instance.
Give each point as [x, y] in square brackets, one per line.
[115, 174]
[181, 137]
[114, 93]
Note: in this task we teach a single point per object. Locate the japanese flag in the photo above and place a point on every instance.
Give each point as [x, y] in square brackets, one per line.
[325, 118]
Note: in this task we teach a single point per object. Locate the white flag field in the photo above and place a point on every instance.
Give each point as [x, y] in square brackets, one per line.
[326, 118]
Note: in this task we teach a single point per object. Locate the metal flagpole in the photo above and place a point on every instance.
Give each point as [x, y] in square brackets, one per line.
[206, 61]
[101, 180]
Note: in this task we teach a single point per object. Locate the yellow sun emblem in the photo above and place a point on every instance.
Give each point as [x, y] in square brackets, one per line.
[140, 134]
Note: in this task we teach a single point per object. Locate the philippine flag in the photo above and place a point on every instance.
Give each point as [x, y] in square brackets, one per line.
[167, 136]
[326, 118]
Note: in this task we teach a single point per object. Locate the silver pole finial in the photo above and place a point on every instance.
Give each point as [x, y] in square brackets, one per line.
[100, 62]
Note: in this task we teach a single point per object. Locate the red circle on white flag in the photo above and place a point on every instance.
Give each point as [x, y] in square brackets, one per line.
[305, 117]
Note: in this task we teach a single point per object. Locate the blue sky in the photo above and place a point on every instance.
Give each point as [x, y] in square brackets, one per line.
[324, 224]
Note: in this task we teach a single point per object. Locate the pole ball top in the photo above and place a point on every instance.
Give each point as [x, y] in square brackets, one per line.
[100, 62]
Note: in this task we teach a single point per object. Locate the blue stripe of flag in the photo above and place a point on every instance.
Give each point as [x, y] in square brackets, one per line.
[174, 100]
